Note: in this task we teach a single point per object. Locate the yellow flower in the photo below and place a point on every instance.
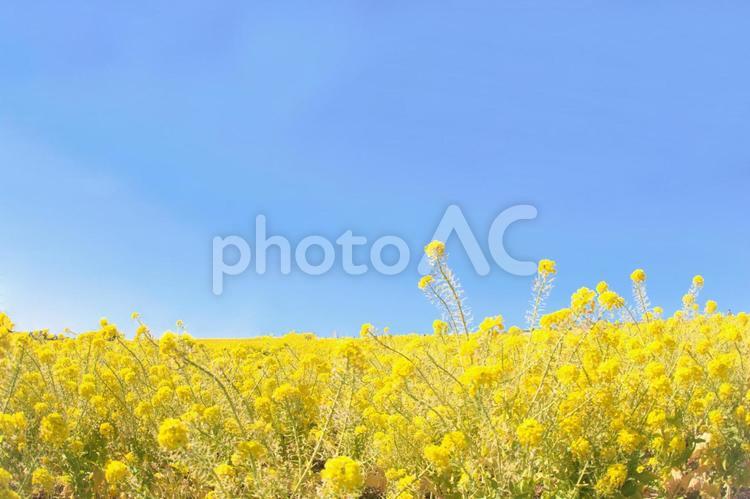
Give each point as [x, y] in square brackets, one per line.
[285, 393]
[612, 480]
[246, 452]
[741, 413]
[403, 485]
[11, 424]
[402, 368]
[719, 367]
[654, 370]
[638, 275]
[609, 300]
[53, 429]
[168, 344]
[730, 333]
[479, 376]
[438, 456]
[140, 331]
[116, 472]
[726, 391]
[173, 434]
[581, 448]
[677, 444]
[424, 281]
[716, 417]
[698, 281]
[435, 250]
[143, 409]
[106, 430]
[5, 478]
[5, 323]
[224, 470]
[162, 395]
[342, 475]
[582, 301]
[434, 412]
[366, 330]
[688, 300]
[546, 267]
[454, 441]
[567, 374]
[43, 479]
[530, 432]
[627, 440]
[439, 327]
[656, 418]
[609, 369]
[555, 319]
[211, 415]
[711, 307]
[492, 325]
[86, 389]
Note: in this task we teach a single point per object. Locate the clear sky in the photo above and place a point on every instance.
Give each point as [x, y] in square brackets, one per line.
[131, 135]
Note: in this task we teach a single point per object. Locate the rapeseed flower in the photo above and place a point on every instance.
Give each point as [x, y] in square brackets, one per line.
[116, 472]
[580, 400]
[530, 432]
[342, 475]
[435, 250]
[173, 434]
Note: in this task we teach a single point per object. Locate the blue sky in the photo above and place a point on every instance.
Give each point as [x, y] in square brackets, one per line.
[130, 135]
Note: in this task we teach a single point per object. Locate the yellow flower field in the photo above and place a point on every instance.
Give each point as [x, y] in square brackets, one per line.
[599, 399]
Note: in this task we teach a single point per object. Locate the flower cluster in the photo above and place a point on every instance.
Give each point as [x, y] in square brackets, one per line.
[598, 399]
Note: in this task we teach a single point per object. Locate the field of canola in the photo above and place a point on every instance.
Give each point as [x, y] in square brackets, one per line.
[604, 398]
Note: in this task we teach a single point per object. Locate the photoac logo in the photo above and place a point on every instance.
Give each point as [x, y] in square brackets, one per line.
[452, 222]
